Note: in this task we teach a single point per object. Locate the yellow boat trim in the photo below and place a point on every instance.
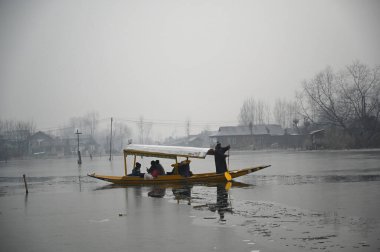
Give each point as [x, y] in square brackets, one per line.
[196, 178]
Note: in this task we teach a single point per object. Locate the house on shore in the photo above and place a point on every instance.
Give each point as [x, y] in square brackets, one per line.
[87, 145]
[42, 144]
[262, 136]
[200, 140]
[317, 138]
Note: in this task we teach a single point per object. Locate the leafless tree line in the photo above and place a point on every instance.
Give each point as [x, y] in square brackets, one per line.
[284, 113]
[14, 136]
[346, 103]
[88, 124]
[348, 100]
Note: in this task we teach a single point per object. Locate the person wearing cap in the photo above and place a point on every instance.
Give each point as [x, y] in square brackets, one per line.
[220, 158]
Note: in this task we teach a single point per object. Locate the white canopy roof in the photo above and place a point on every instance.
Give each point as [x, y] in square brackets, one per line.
[167, 151]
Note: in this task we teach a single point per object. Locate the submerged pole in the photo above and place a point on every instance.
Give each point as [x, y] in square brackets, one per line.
[26, 185]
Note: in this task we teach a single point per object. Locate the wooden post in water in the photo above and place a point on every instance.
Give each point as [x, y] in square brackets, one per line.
[79, 156]
[26, 185]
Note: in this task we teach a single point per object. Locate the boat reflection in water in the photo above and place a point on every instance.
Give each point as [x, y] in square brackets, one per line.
[223, 204]
[184, 193]
[157, 192]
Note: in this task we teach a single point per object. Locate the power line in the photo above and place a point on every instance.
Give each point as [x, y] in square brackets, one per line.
[176, 123]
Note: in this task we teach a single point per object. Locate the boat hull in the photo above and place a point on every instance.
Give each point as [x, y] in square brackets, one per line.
[168, 179]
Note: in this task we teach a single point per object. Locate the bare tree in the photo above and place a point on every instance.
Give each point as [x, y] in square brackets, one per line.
[348, 100]
[323, 93]
[252, 111]
[90, 121]
[247, 112]
[121, 134]
[267, 113]
[15, 135]
[87, 123]
[260, 112]
[144, 129]
[187, 127]
[285, 112]
[360, 87]
[279, 112]
[140, 126]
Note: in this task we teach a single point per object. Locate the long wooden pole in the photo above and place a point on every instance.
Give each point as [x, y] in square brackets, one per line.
[125, 163]
[228, 167]
[111, 140]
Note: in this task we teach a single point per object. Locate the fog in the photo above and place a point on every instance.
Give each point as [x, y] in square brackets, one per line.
[171, 61]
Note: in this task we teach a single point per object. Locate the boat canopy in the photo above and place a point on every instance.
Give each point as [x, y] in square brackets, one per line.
[162, 151]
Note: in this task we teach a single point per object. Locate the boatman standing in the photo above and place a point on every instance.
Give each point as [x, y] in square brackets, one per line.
[220, 158]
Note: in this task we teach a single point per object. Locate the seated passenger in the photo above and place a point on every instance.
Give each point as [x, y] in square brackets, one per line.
[153, 170]
[136, 170]
[161, 170]
[184, 168]
[174, 170]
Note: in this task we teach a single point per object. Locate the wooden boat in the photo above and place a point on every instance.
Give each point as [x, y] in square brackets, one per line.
[172, 152]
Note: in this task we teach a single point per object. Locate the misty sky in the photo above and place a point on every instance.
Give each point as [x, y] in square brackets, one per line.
[171, 60]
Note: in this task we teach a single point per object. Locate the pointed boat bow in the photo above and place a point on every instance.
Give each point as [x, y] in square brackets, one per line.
[245, 171]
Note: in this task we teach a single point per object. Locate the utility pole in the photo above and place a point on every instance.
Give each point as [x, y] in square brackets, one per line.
[121, 137]
[111, 141]
[250, 125]
[79, 157]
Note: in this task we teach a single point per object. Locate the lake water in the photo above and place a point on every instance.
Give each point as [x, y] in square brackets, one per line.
[312, 200]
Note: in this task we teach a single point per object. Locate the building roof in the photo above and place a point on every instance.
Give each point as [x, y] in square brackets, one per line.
[291, 131]
[260, 129]
[316, 131]
[41, 135]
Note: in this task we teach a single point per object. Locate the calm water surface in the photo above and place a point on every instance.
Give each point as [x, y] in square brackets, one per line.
[319, 200]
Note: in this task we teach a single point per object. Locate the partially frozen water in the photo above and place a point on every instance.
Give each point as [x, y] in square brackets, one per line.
[317, 200]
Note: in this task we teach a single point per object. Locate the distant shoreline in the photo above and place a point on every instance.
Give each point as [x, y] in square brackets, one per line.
[240, 151]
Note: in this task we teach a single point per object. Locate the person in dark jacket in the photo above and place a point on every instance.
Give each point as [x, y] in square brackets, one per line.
[184, 168]
[220, 158]
[136, 170]
[161, 170]
[153, 169]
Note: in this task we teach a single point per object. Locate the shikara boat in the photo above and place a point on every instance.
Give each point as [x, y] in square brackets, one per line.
[175, 153]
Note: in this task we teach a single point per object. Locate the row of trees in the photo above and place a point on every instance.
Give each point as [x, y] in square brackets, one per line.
[14, 135]
[284, 113]
[89, 125]
[13, 138]
[345, 103]
[121, 132]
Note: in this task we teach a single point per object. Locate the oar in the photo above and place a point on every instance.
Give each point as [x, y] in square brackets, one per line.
[227, 175]
[228, 186]
[228, 167]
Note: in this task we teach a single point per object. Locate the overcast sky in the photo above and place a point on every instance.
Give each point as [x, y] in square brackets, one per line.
[171, 60]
